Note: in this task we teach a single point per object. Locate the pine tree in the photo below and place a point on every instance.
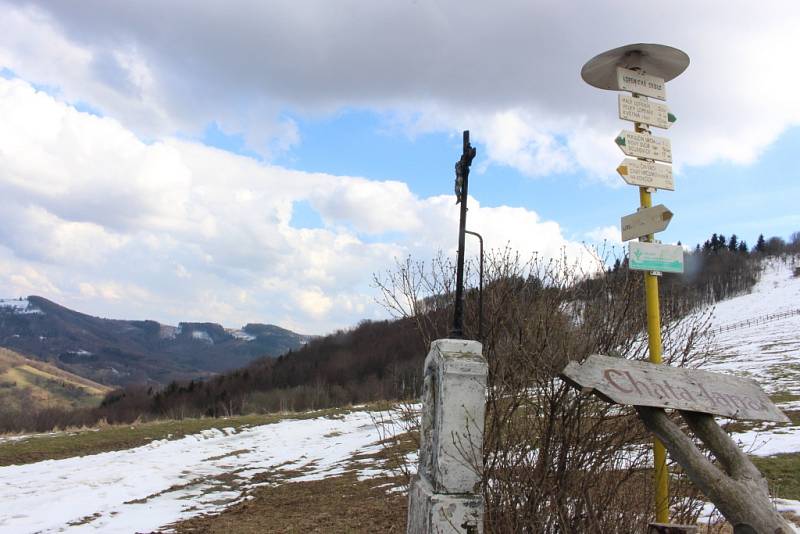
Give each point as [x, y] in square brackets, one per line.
[733, 243]
[742, 246]
[761, 244]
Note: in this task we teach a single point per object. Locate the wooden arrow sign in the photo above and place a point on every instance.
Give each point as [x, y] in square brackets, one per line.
[646, 221]
[646, 174]
[644, 111]
[662, 386]
[643, 145]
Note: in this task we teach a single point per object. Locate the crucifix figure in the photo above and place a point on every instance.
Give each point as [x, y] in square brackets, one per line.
[462, 182]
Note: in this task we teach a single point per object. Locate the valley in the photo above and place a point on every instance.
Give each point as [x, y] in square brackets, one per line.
[121, 352]
[228, 472]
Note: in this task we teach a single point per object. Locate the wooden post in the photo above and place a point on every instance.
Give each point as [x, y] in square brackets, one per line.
[739, 490]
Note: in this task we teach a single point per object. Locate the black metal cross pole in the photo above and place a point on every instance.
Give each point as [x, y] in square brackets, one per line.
[462, 181]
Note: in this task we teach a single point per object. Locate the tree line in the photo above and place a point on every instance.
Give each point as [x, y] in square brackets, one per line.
[379, 360]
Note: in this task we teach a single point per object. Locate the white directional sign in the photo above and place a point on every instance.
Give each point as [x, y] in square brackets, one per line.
[646, 221]
[655, 257]
[645, 146]
[646, 174]
[641, 110]
[642, 84]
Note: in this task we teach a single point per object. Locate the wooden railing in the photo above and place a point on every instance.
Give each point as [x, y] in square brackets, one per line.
[753, 321]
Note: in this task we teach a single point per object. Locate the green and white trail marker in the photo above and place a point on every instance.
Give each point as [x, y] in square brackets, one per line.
[655, 257]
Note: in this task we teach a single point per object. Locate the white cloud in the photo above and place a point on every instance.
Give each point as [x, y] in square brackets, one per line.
[609, 234]
[314, 302]
[174, 230]
[510, 74]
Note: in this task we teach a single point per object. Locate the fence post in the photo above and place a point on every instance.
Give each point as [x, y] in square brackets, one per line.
[445, 495]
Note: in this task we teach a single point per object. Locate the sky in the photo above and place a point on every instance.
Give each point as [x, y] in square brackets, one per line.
[259, 161]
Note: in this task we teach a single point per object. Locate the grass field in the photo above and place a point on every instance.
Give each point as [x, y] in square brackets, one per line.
[36, 384]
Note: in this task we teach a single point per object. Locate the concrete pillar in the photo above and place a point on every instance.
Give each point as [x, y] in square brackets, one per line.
[445, 495]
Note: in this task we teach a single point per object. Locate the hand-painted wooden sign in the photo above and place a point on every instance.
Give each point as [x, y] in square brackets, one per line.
[646, 221]
[641, 84]
[644, 256]
[640, 110]
[662, 386]
[642, 145]
[646, 174]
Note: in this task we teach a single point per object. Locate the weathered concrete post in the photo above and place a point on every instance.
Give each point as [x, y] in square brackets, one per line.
[445, 495]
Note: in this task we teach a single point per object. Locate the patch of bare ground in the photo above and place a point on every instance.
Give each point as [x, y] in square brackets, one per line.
[334, 504]
[340, 503]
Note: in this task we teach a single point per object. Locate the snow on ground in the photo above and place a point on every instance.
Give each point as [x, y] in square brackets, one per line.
[19, 305]
[145, 488]
[142, 489]
[768, 352]
[709, 515]
[240, 334]
[202, 335]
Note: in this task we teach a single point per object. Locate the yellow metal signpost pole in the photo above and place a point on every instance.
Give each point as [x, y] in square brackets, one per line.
[654, 344]
[653, 308]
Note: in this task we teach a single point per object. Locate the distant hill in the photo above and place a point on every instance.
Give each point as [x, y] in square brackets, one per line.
[122, 352]
[41, 385]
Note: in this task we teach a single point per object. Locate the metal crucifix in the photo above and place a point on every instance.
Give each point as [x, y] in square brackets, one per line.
[462, 180]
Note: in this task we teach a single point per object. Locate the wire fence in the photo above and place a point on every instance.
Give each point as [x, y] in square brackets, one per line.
[753, 321]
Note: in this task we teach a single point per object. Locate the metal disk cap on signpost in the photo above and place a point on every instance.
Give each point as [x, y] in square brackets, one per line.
[658, 60]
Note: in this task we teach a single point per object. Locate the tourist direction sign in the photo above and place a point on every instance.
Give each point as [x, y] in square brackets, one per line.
[646, 221]
[642, 145]
[641, 110]
[663, 386]
[646, 174]
[642, 84]
[655, 257]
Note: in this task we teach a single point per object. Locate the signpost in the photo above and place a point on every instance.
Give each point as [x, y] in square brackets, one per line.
[644, 146]
[645, 221]
[643, 69]
[656, 257]
[740, 491]
[640, 110]
[661, 386]
[646, 174]
[640, 83]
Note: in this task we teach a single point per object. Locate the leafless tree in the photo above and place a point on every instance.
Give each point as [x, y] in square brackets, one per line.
[555, 461]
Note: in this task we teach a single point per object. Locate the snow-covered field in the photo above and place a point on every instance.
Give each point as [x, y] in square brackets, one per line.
[768, 352]
[142, 489]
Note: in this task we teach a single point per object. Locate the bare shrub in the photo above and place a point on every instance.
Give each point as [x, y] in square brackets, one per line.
[556, 461]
